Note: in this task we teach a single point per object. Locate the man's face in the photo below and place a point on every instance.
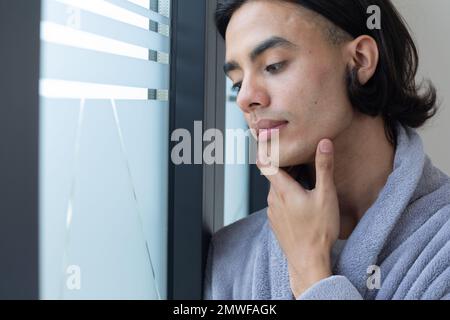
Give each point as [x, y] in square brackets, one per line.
[300, 83]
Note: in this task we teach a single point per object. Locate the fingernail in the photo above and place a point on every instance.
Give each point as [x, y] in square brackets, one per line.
[326, 146]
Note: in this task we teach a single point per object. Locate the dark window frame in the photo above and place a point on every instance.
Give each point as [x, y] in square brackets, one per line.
[197, 93]
[19, 144]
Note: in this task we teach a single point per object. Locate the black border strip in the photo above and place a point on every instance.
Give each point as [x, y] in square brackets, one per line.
[19, 145]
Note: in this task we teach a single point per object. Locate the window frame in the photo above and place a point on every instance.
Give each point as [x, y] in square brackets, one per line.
[19, 141]
[195, 191]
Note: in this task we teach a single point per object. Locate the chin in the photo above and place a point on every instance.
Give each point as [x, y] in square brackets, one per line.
[289, 157]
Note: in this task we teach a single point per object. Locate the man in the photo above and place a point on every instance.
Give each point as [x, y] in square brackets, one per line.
[357, 210]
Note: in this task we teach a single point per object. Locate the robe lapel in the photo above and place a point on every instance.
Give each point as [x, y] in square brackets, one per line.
[370, 235]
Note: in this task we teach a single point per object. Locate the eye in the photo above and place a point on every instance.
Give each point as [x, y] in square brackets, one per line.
[237, 87]
[276, 67]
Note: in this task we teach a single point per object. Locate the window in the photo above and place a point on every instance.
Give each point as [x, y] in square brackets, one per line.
[104, 139]
[237, 168]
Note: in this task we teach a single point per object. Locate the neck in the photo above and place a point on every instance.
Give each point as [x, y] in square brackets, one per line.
[364, 160]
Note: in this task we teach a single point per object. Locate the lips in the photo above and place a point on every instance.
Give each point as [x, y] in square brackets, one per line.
[264, 128]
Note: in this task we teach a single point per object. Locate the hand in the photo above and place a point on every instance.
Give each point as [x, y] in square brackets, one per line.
[306, 223]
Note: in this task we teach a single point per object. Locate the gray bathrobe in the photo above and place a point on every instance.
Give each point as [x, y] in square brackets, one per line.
[405, 233]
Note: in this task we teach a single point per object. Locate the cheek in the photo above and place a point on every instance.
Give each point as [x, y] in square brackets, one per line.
[306, 83]
[312, 92]
[292, 91]
[304, 91]
[326, 91]
[321, 82]
[317, 100]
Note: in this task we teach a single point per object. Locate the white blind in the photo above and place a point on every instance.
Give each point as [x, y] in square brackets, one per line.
[103, 148]
[86, 41]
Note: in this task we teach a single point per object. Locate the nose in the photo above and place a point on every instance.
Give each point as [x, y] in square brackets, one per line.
[252, 95]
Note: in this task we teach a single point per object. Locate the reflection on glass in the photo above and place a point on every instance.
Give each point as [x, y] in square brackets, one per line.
[236, 197]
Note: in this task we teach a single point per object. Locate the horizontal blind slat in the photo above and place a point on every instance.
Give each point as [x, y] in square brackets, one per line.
[74, 64]
[96, 24]
[140, 10]
[75, 103]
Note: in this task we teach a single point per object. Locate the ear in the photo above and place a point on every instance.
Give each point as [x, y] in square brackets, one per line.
[364, 55]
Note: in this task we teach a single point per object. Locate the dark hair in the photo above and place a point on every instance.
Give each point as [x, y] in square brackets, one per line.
[392, 92]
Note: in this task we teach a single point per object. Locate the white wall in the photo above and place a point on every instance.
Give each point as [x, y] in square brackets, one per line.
[430, 24]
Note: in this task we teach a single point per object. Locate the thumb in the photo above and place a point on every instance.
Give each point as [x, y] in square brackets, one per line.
[325, 165]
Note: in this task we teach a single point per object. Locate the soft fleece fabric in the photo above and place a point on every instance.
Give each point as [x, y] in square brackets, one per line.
[405, 232]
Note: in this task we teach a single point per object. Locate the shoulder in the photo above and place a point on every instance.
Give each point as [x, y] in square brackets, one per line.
[231, 252]
[432, 193]
[241, 233]
[232, 246]
[428, 211]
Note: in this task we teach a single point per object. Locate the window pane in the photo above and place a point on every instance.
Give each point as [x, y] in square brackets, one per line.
[236, 197]
[103, 149]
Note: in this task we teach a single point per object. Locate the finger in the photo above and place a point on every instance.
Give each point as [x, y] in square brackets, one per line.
[325, 165]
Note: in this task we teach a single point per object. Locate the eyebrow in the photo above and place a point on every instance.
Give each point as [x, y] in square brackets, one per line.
[273, 42]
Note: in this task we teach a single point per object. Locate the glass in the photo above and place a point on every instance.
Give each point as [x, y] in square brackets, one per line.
[237, 173]
[104, 137]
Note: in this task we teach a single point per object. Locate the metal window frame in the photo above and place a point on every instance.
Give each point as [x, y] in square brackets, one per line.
[19, 145]
[195, 191]
[215, 115]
